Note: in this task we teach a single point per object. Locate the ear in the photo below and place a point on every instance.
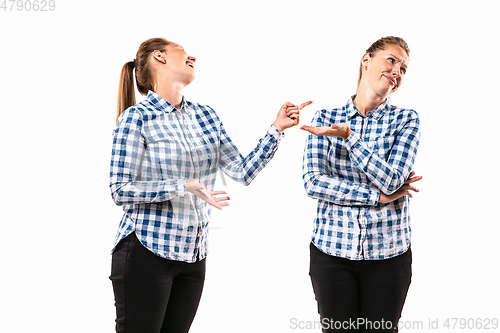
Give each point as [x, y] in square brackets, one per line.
[365, 60]
[159, 56]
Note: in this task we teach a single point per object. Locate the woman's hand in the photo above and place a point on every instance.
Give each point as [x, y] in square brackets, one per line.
[340, 130]
[209, 196]
[403, 190]
[288, 115]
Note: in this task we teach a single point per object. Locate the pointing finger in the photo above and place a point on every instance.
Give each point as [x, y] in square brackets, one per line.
[303, 105]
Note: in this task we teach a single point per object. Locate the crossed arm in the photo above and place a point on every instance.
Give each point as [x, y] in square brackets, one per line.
[387, 176]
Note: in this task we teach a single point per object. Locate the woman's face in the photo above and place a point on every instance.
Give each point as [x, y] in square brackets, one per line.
[385, 70]
[179, 65]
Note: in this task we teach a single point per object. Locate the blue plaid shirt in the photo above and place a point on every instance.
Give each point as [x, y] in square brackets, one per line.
[347, 178]
[156, 148]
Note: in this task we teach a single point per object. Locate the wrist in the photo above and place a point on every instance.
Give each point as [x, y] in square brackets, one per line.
[279, 127]
[190, 185]
[348, 134]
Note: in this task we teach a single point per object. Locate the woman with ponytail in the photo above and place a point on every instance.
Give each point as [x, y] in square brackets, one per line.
[166, 153]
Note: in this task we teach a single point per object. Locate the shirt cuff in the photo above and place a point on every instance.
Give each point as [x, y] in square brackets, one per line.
[181, 188]
[273, 131]
[351, 141]
[373, 197]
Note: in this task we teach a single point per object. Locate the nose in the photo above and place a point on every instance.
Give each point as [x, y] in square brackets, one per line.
[396, 71]
[193, 59]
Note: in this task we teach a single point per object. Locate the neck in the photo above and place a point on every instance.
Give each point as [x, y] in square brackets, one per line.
[171, 92]
[367, 100]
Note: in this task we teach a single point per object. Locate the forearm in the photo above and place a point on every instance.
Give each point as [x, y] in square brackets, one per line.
[245, 169]
[140, 192]
[339, 192]
[387, 175]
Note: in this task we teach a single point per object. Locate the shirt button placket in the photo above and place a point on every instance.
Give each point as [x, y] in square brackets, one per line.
[363, 223]
[188, 126]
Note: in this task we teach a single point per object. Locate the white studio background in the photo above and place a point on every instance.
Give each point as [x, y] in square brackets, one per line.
[58, 83]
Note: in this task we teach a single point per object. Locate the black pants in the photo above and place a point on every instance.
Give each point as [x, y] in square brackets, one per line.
[153, 294]
[360, 296]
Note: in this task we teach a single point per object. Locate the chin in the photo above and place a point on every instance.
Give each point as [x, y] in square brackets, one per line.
[384, 93]
[391, 89]
[188, 81]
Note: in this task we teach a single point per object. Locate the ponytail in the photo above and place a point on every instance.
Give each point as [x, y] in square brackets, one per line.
[143, 74]
[126, 92]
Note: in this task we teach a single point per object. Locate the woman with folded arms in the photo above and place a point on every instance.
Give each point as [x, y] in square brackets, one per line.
[166, 153]
[357, 162]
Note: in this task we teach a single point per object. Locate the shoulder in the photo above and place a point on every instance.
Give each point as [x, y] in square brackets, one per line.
[404, 117]
[403, 113]
[138, 113]
[201, 109]
[205, 115]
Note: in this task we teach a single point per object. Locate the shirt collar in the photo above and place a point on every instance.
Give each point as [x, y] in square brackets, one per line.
[376, 114]
[163, 105]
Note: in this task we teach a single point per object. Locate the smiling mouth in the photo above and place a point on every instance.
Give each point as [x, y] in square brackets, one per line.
[190, 64]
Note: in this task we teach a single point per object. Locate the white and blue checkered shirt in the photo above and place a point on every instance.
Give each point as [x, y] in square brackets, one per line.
[347, 178]
[156, 148]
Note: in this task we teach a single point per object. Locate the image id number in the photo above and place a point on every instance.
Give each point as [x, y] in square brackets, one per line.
[28, 5]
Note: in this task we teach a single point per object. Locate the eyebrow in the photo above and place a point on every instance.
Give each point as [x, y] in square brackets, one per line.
[398, 59]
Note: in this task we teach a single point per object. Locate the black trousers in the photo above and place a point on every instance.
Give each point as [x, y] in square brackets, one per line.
[153, 294]
[360, 296]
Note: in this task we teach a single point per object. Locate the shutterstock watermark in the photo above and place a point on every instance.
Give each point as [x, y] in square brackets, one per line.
[429, 324]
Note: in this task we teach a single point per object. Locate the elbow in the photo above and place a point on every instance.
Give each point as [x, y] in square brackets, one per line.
[309, 192]
[309, 187]
[117, 199]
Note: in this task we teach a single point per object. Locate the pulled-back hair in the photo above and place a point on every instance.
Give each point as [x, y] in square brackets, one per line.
[143, 74]
[381, 44]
